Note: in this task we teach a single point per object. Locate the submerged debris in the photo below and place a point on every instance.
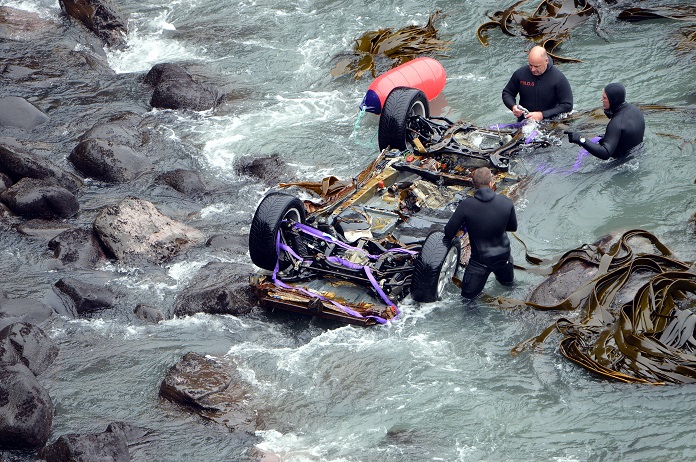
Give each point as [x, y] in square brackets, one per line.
[395, 47]
[648, 339]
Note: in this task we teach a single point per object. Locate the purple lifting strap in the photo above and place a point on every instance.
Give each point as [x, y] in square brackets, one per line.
[315, 232]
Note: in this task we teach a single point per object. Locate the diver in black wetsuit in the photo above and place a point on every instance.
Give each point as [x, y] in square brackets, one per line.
[624, 131]
[486, 217]
[544, 91]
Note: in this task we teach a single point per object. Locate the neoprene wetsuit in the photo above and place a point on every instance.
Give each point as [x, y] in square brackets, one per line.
[549, 92]
[486, 217]
[625, 129]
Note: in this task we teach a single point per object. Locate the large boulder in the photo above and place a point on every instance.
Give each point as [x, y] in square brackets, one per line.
[212, 389]
[100, 17]
[268, 169]
[78, 247]
[108, 446]
[32, 346]
[107, 161]
[32, 198]
[26, 409]
[18, 163]
[18, 112]
[82, 298]
[135, 230]
[217, 288]
[175, 88]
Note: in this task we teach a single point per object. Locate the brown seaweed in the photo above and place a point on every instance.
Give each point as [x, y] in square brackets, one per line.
[549, 24]
[678, 12]
[397, 47]
[650, 338]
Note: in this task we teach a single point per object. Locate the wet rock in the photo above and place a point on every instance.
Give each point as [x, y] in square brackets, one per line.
[46, 229]
[148, 313]
[32, 198]
[185, 181]
[83, 297]
[28, 310]
[34, 348]
[108, 446]
[212, 389]
[18, 163]
[19, 25]
[20, 113]
[560, 285]
[269, 169]
[121, 129]
[107, 161]
[26, 409]
[77, 247]
[5, 182]
[175, 88]
[236, 244]
[135, 230]
[100, 17]
[217, 288]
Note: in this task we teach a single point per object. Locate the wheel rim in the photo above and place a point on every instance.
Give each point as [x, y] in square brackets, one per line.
[294, 215]
[417, 109]
[449, 267]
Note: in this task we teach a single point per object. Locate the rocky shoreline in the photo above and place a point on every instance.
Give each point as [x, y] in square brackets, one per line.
[73, 191]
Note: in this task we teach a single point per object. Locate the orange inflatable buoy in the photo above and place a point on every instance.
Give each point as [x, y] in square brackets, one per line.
[425, 74]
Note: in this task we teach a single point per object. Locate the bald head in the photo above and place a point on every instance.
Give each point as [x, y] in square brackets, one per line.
[538, 60]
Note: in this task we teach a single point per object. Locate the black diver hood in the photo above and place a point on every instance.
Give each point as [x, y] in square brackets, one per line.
[616, 94]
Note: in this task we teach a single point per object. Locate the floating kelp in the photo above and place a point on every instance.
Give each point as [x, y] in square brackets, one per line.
[549, 24]
[678, 12]
[649, 339]
[394, 48]
[686, 41]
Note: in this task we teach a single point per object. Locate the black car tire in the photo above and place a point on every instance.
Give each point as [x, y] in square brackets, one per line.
[434, 267]
[273, 209]
[402, 103]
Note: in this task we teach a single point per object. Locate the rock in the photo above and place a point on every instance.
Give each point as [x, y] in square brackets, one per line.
[560, 285]
[237, 244]
[217, 288]
[121, 129]
[34, 348]
[25, 26]
[108, 446]
[175, 88]
[26, 409]
[23, 310]
[100, 17]
[46, 229]
[107, 161]
[18, 163]
[148, 313]
[269, 169]
[82, 297]
[5, 182]
[135, 230]
[32, 198]
[20, 113]
[185, 181]
[211, 389]
[78, 247]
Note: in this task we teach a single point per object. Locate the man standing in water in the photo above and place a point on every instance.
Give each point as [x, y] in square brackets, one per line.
[487, 217]
[544, 90]
[625, 129]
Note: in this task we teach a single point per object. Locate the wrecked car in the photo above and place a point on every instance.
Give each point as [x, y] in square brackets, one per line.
[351, 250]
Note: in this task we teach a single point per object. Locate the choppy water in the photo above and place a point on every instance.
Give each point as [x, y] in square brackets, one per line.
[440, 384]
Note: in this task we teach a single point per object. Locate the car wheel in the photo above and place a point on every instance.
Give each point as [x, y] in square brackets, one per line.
[273, 209]
[402, 103]
[434, 267]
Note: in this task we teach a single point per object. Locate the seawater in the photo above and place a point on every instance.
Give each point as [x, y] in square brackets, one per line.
[439, 384]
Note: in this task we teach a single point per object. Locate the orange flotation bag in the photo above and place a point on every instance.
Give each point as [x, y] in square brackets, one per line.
[425, 74]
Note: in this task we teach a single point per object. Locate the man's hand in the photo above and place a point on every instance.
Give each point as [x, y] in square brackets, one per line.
[517, 112]
[573, 137]
[538, 116]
